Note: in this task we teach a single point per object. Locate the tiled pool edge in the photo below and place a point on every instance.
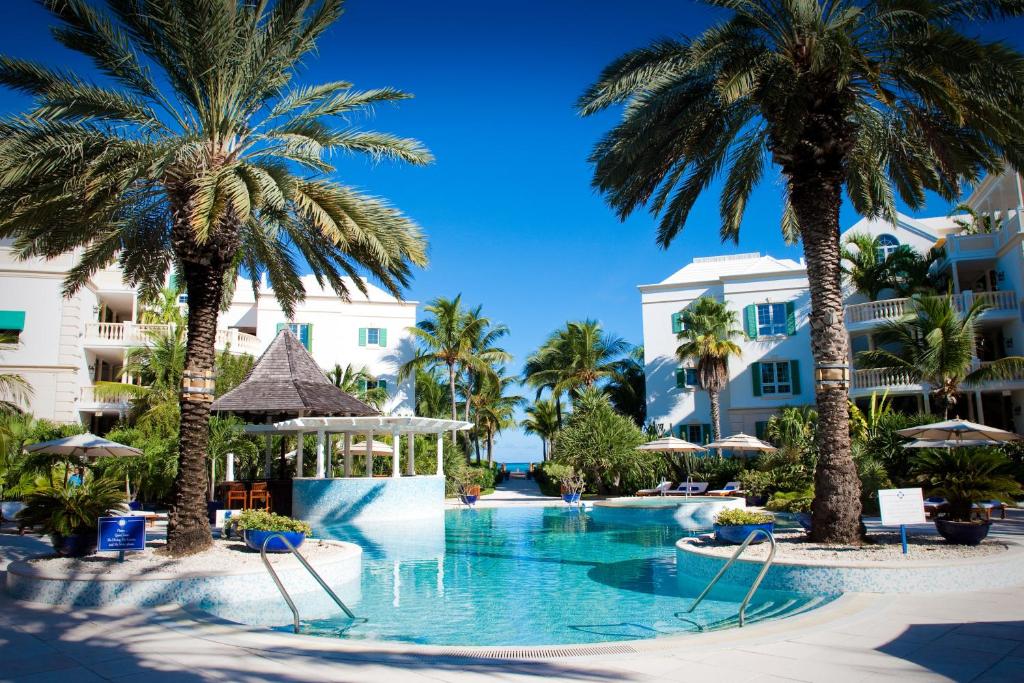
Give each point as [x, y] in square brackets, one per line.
[1003, 570]
[24, 581]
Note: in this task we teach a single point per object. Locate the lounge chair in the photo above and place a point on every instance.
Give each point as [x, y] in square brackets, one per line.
[731, 489]
[934, 505]
[694, 488]
[658, 490]
[987, 506]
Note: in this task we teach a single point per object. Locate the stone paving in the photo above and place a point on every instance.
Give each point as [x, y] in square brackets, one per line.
[964, 636]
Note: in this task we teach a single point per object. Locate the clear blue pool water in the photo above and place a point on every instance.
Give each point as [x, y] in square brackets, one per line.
[532, 576]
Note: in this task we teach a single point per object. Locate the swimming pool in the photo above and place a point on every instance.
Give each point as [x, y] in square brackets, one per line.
[533, 576]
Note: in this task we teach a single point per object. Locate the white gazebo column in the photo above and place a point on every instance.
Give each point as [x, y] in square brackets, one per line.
[229, 470]
[298, 454]
[396, 453]
[330, 456]
[369, 454]
[410, 463]
[320, 454]
[440, 454]
[348, 454]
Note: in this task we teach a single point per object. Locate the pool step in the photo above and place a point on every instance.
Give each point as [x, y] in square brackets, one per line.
[768, 610]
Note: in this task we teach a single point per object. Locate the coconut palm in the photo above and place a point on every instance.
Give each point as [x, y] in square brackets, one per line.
[709, 328]
[431, 393]
[15, 391]
[627, 386]
[936, 347]
[975, 222]
[199, 151]
[864, 270]
[494, 409]
[162, 307]
[542, 420]
[157, 368]
[357, 381]
[875, 96]
[482, 346]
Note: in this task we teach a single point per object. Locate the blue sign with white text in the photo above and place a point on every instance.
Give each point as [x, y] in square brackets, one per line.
[122, 533]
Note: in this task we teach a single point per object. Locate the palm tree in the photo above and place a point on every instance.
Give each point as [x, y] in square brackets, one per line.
[202, 154]
[871, 95]
[158, 367]
[542, 420]
[976, 222]
[446, 340]
[487, 355]
[627, 387]
[709, 328]
[936, 347]
[493, 408]
[866, 272]
[15, 391]
[162, 308]
[431, 393]
[357, 381]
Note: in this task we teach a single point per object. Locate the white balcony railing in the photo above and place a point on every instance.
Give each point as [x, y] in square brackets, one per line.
[893, 309]
[137, 334]
[88, 396]
[881, 378]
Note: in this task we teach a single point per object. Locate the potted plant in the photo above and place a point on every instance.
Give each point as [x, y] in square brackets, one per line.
[757, 485]
[70, 514]
[259, 525]
[570, 482]
[468, 480]
[733, 525]
[963, 476]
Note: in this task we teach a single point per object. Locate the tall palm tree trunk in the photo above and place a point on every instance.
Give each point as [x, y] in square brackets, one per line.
[188, 529]
[716, 412]
[455, 408]
[836, 508]
[490, 448]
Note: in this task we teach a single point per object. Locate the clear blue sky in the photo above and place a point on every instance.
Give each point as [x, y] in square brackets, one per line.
[512, 220]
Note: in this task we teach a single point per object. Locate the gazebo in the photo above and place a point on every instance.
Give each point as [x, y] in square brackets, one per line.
[287, 393]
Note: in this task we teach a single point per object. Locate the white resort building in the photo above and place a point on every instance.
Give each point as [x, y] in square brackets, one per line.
[770, 297]
[65, 345]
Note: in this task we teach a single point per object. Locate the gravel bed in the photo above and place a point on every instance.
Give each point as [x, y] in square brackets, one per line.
[225, 556]
[880, 547]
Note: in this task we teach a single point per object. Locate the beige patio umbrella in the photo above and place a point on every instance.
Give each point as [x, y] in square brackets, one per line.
[949, 443]
[743, 443]
[376, 447]
[86, 446]
[959, 431]
[670, 444]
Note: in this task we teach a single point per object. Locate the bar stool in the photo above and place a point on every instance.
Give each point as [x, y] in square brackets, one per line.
[235, 494]
[260, 493]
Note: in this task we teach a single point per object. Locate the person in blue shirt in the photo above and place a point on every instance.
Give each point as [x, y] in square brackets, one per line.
[78, 478]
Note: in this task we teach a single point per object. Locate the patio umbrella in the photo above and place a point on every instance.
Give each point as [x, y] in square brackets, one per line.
[670, 444]
[378, 448]
[949, 443]
[86, 446]
[742, 443]
[960, 431]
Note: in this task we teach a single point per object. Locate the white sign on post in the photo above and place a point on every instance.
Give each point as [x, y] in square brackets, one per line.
[901, 506]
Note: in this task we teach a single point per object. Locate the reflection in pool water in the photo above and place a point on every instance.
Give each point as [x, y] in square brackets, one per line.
[533, 576]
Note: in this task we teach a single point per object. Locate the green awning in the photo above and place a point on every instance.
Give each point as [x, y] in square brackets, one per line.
[12, 320]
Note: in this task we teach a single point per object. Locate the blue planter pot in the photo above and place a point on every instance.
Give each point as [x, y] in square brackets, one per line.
[571, 498]
[736, 534]
[468, 500]
[254, 539]
[76, 545]
[134, 505]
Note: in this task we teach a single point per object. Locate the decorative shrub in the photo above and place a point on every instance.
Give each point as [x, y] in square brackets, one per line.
[62, 511]
[569, 480]
[261, 520]
[791, 501]
[965, 475]
[735, 517]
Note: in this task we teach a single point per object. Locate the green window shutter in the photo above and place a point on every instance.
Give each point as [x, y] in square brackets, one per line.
[12, 320]
[677, 323]
[760, 428]
[362, 336]
[755, 373]
[362, 385]
[750, 321]
[680, 378]
[308, 334]
[706, 434]
[382, 384]
[280, 326]
[790, 319]
[794, 375]
[383, 337]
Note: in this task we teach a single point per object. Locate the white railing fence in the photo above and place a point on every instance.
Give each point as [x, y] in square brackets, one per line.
[894, 309]
[137, 334]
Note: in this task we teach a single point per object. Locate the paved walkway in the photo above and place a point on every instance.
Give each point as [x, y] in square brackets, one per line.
[512, 492]
[967, 636]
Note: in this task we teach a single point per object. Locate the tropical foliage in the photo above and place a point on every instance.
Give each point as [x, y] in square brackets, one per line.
[204, 155]
[878, 98]
[709, 328]
[359, 382]
[15, 390]
[62, 511]
[964, 476]
[542, 421]
[935, 346]
[870, 271]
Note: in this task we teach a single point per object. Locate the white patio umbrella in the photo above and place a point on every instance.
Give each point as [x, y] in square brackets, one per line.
[377, 448]
[949, 443]
[670, 444]
[959, 431]
[743, 443]
[86, 446]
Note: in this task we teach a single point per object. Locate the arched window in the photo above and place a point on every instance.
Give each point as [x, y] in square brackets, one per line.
[887, 244]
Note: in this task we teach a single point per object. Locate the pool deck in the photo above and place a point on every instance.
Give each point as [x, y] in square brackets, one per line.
[964, 636]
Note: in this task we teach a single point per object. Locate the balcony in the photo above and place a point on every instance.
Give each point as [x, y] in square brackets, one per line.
[985, 245]
[88, 403]
[118, 335]
[879, 380]
[1002, 304]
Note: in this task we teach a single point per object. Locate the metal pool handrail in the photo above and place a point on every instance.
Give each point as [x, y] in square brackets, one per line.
[312, 572]
[757, 581]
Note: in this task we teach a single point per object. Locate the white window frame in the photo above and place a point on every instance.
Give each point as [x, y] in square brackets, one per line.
[776, 386]
[777, 322]
[884, 251]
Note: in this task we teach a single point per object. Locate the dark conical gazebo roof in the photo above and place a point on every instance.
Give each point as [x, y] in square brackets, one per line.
[286, 383]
